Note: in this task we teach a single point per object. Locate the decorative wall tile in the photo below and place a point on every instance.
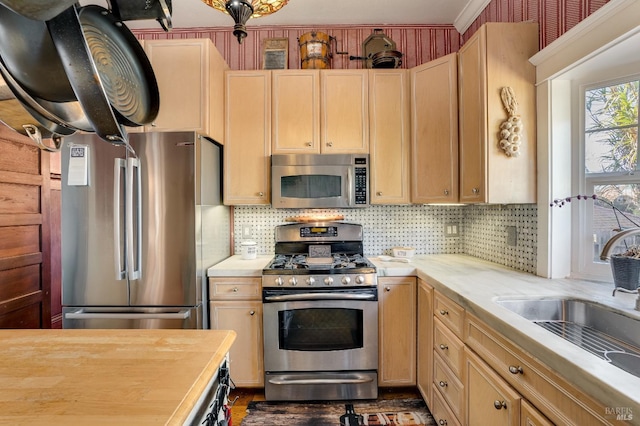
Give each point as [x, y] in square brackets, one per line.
[482, 229]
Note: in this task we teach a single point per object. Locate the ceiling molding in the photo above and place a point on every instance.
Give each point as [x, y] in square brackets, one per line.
[471, 11]
[609, 26]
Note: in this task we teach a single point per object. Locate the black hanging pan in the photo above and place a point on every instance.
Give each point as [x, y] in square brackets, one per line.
[39, 10]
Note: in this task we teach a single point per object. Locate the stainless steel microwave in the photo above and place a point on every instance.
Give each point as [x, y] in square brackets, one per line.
[319, 180]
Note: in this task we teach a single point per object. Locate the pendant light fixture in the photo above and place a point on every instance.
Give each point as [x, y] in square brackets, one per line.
[242, 10]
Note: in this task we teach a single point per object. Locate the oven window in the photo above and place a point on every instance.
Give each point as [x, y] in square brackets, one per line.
[311, 186]
[320, 329]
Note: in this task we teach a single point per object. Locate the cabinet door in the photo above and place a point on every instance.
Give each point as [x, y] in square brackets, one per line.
[345, 111]
[472, 79]
[295, 111]
[245, 355]
[490, 400]
[389, 136]
[190, 76]
[434, 133]
[424, 365]
[247, 153]
[530, 416]
[397, 331]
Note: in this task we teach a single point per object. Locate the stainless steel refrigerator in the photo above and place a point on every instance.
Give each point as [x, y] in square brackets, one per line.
[140, 227]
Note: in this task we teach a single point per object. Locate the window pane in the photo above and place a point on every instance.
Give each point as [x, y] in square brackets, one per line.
[611, 128]
[607, 221]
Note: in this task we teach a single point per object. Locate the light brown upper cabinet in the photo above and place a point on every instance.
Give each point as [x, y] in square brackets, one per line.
[389, 133]
[495, 57]
[190, 75]
[320, 112]
[295, 111]
[434, 131]
[344, 106]
[247, 153]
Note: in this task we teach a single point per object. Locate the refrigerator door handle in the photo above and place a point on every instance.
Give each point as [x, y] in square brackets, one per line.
[118, 167]
[81, 314]
[134, 219]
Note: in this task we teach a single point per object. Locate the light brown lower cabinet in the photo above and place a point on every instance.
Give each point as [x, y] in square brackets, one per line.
[235, 304]
[424, 366]
[397, 331]
[490, 400]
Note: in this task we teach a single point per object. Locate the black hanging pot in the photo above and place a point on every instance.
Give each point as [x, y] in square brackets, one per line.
[386, 59]
[81, 70]
[106, 68]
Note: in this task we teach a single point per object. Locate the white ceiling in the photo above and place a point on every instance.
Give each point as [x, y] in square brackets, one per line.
[195, 13]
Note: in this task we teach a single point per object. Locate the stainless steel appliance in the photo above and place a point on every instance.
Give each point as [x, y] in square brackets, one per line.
[320, 180]
[140, 226]
[320, 315]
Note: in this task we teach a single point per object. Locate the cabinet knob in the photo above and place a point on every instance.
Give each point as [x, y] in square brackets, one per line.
[443, 384]
[261, 194]
[443, 346]
[329, 144]
[443, 312]
[442, 422]
[308, 144]
[515, 370]
[379, 193]
[235, 289]
[499, 405]
[387, 288]
[446, 192]
[252, 313]
[475, 191]
[153, 124]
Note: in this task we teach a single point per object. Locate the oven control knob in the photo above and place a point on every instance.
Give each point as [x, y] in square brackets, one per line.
[293, 281]
[279, 281]
[346, 280]
[311, 281]
[359, 279]
[328, 281]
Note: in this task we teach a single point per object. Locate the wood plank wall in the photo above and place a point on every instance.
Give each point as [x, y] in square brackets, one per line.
[25, 265]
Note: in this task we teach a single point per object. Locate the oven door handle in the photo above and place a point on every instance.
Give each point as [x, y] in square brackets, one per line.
[359, 379]
[318, 296]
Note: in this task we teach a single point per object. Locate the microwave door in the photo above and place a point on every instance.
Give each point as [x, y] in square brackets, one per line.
[312, 186]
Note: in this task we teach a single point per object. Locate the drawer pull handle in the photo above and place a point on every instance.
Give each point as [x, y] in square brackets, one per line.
[252, 313]
[235, 289]
[443, 346]
[499, 404]
[515, 370]
[443, 312]
[442, 422]
[443, 384]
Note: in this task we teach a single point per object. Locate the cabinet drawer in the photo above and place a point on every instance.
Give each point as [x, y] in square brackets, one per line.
[548, 392]
[448, 346]
[235, 288]
[441, 411]
[450, 388]
[449, 313]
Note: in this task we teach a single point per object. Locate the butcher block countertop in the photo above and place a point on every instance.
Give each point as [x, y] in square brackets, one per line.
[89, 377]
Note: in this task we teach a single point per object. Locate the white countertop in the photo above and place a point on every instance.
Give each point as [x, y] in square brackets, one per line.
[475, 284]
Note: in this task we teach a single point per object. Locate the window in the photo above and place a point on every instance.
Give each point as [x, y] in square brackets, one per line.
[610, 170]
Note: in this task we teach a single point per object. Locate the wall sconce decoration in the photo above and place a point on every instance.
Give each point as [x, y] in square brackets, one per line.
[511, 129]
[242, 10]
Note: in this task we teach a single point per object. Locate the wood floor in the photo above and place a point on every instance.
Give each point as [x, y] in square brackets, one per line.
[246, 395]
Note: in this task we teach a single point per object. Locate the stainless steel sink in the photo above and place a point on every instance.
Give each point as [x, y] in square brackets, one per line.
[596, 328]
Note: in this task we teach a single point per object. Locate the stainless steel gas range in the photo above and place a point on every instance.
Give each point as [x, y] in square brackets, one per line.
[320, 315]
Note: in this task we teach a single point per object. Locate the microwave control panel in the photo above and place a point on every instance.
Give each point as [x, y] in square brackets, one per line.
[361, 182]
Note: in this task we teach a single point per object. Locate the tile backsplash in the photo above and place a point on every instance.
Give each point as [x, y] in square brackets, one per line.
[483, 230]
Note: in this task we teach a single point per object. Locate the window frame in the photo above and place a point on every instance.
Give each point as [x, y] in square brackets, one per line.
[583, 264]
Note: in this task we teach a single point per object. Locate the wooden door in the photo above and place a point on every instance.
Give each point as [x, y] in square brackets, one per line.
[397, 331]
[247, 153]
[389, 133]
[345, 111]
[25, 238]
[295, 112]
[434, 135]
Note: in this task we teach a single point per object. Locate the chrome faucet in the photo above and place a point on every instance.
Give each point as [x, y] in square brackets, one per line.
[606, 254]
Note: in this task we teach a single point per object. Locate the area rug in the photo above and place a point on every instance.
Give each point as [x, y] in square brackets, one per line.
[381, 412]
